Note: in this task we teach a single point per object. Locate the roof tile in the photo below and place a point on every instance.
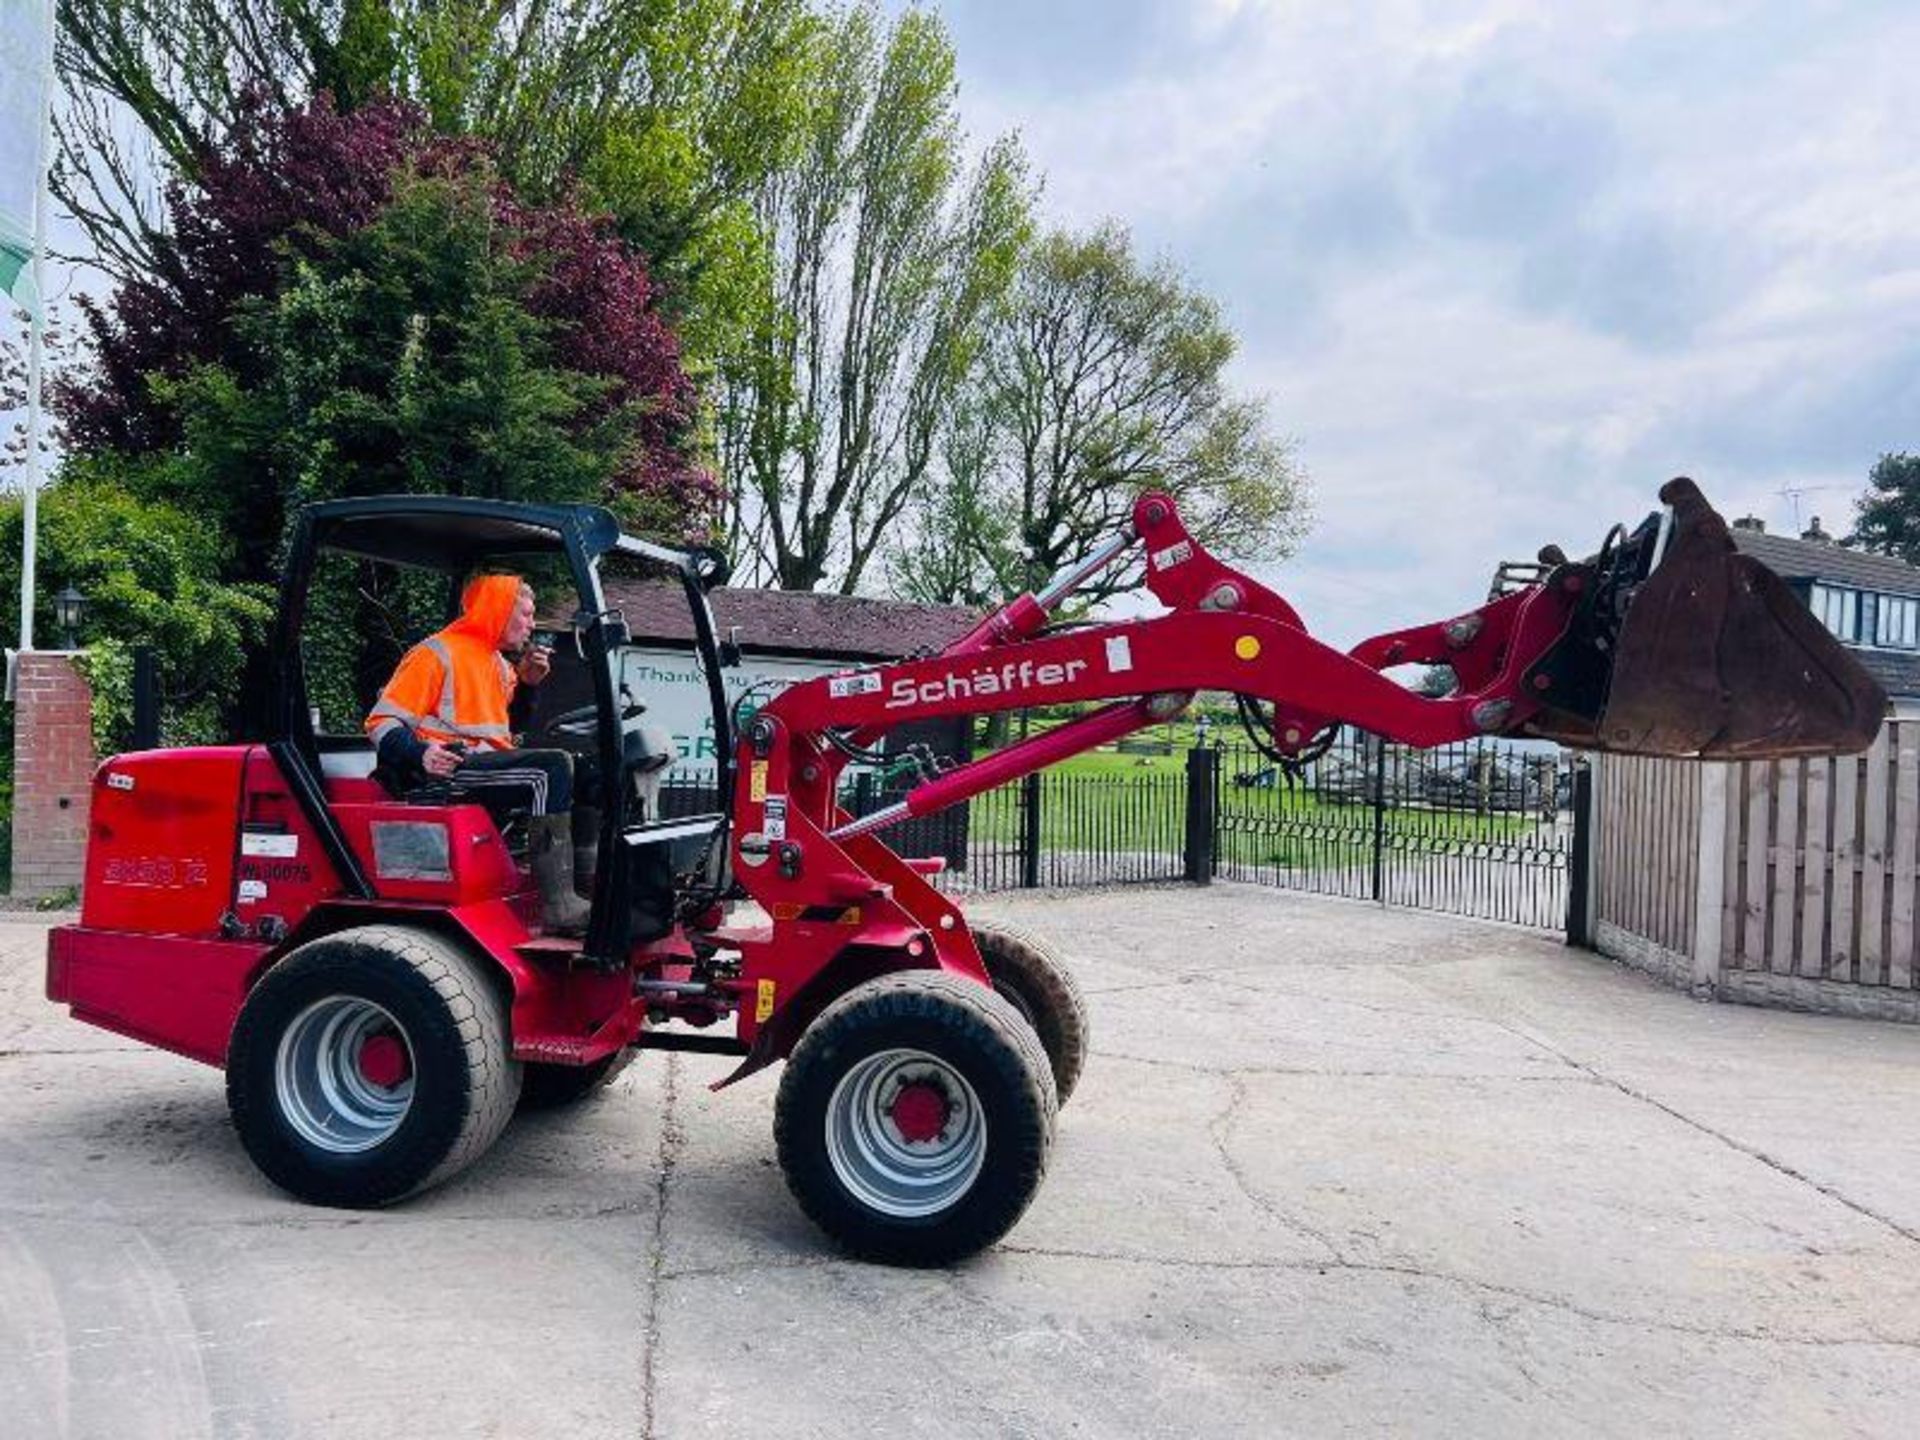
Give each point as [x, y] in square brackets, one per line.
[794, 622]
[1792, 559]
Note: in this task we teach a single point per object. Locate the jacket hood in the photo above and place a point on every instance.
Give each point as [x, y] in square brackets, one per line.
[486, 605]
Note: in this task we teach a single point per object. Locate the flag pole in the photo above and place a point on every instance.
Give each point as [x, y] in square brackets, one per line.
[36, 326]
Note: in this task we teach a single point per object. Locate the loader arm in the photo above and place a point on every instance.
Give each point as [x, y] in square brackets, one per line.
[1535, 660]
[1664, 606]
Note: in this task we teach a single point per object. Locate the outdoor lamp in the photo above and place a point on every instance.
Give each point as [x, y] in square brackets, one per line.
[68, 606]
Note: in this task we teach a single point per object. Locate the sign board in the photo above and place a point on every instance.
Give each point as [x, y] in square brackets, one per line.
[670, 684]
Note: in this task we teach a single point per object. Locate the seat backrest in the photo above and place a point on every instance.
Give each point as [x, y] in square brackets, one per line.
[346, 771]
[348, 762]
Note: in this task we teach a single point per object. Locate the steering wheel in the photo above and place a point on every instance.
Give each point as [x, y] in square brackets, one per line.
[583, 722]
[579, 723]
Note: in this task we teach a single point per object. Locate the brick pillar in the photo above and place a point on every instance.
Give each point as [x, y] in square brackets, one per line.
[53, 765]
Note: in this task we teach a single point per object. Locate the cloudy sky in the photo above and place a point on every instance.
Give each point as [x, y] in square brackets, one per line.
[1503, 268]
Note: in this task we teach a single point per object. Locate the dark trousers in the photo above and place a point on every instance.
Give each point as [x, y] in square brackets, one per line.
[543, 778]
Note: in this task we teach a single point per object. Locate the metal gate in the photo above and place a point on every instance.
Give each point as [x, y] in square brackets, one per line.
[1484, 828]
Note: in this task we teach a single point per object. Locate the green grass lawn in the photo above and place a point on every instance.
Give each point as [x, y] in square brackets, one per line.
[1103, 800]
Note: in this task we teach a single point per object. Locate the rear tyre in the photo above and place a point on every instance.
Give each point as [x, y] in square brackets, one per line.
[1033, 977]
[915, 1118]
[370, 1065]
[552, 1087]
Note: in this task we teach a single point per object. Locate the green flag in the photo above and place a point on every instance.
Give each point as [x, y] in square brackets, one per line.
[26, 66]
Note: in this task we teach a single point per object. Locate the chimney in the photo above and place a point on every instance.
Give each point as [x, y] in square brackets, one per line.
[1751, 522]
[1814, 533]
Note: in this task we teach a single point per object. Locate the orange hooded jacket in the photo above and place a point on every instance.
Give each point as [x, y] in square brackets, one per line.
[455, 684]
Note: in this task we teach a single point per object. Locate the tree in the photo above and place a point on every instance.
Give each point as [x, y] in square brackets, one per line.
[960, 541]
[1100, 379]
[1889, 513]
[352, 305]
[714, 103]
[885, 265]
[60, 340]
[668, 112]
[148, 571]
[285, 184]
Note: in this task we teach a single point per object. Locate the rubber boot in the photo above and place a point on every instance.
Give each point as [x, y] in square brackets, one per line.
[586, 847]
[562, 911]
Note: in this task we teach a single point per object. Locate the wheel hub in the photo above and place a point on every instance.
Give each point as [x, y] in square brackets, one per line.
[906, 1133]
[383, 1061]
[920, 1113]
[343, 1075]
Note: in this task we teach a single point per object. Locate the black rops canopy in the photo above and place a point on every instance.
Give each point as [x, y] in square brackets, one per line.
[445, 532]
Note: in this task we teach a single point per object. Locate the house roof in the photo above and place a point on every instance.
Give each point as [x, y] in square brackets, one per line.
[793, 622]
[1793, 559]
[1898, 671]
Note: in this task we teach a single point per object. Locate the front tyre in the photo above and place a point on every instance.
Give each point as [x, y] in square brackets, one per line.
[370, 1065]
[1033, 977]
[915, 1118]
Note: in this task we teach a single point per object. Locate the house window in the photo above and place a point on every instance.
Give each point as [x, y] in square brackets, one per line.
[1838, 610]
[1843, 614]
[1858, 617]
[1898, 623]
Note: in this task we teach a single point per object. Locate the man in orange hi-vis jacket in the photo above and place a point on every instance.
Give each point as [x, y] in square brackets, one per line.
[443, 717]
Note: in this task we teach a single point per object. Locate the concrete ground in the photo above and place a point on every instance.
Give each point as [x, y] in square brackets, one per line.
[1332, 1170]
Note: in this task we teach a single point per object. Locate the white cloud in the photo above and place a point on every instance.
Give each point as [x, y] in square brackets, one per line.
[1505, 269]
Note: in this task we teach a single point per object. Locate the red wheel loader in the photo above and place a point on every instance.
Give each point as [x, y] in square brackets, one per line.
[369, 969]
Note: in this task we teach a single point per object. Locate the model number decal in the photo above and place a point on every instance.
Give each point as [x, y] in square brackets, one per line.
[273, 847]
[288, 870]
[156, 873]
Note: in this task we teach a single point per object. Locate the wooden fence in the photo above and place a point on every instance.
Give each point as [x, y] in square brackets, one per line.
[1820, 865]
[1786, 882]
[1646, 845]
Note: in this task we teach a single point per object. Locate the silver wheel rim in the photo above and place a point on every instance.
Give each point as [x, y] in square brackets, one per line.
[876, 1161]
[318, 1081]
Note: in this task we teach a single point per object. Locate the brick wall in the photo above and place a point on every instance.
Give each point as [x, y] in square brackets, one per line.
[53, 766]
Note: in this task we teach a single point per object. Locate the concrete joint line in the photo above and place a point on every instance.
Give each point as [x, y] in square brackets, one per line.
[1568, 1076]
[672, 1140]
[1779, 1167]
[1467, 1282]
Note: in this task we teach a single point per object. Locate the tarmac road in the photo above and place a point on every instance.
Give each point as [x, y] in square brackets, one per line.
[1333, 1170]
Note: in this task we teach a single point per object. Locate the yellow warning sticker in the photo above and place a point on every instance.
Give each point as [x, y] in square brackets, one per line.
[757, 782]
[763, 1003]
